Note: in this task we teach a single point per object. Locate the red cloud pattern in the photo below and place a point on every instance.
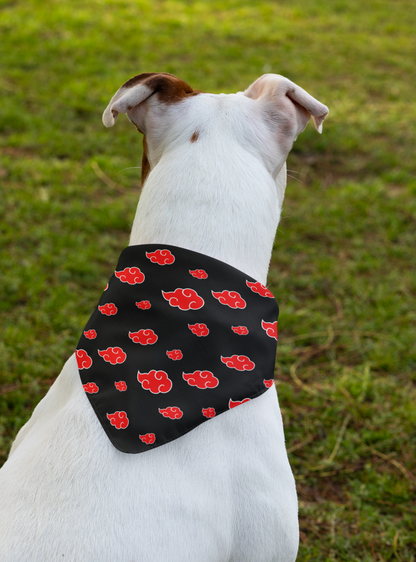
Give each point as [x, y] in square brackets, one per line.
[270, 328]
[155, 381]
[201, 379]
[175, 354]
[121, 386]
[90, 334]
[84, 361]
[184, 299]
[172, 412]
[230, 298]
[200, 330]
[260, 289]
[108, 309]
[208, 412]
[240, 330]
[198, 273]
[239, 362]
[233, 404]
[90, 387]
[113, 355]
[106, 287]
[268, 383]
[144, 337]
[130, 275]
[149, 438]
[119, 420]
[144, 305]
[162, 257]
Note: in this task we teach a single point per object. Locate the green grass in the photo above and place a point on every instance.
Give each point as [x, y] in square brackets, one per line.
[343, 262]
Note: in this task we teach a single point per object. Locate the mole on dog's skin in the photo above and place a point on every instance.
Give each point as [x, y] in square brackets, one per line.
[214, 178]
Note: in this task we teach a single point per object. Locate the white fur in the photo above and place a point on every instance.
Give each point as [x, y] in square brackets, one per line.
[223, 492]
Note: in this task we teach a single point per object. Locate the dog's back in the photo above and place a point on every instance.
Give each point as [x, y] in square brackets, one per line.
[224, 492]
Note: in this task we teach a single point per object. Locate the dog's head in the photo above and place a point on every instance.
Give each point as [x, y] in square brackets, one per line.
[265, 119]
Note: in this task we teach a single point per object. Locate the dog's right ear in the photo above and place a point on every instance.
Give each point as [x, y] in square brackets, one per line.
[138, 89]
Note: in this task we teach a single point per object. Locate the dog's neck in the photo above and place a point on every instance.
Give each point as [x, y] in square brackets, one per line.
[230, 212]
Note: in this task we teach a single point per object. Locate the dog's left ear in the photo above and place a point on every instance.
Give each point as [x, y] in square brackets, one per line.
[278, 91]
[130, 97]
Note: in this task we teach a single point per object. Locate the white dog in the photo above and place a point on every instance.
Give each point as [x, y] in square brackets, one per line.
[215, 177]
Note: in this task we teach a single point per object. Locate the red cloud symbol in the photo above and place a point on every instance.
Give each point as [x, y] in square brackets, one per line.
[201, 379]
[184, 299]
[230, 298]
[233, 404]
[149, 438]
[130, 275]
[208, 412]
[91, 334]
[199, 329]
[239, 362]
[240, 330]
[268, 383]
[260, 289]
[270, 328]
[106, 287]
[119, 420]
[162, 257]
[145, 337]
[172, 412]
[90, 387]
[175, 354]
[155, 381]
[108, 309]
[198, 273]
[113, 355]
[84, 361]
[144, 305]
[121, 386]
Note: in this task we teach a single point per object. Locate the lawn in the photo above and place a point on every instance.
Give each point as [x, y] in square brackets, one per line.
[343, 267]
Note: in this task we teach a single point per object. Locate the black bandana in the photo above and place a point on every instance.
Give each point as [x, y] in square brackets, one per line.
[177, 338]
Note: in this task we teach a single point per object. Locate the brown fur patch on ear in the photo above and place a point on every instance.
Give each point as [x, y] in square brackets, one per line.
[145, 162]
[195, 136]
[169, 88]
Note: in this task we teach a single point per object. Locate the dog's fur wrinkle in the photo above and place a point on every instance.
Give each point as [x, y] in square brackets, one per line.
[224, 492]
